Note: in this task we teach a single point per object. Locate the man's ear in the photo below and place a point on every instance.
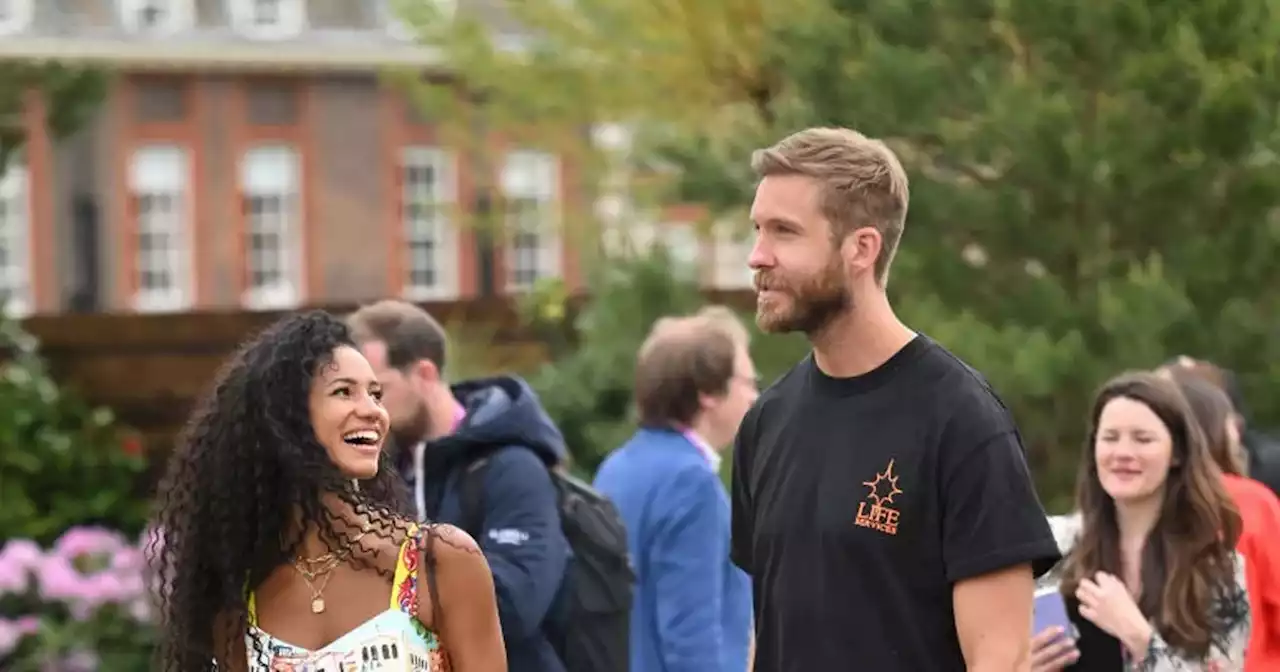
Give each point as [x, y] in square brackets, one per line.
[425, 370]
[861, 248]
[707, 402]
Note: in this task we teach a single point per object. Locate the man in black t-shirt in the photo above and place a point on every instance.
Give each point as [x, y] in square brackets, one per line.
[881, 499]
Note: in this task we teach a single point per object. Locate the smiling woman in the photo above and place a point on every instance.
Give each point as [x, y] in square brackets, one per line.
[282, 526]
[1150, 576]
[346, 409]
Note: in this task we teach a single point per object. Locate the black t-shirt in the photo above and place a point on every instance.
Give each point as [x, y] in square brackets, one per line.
[859, 502]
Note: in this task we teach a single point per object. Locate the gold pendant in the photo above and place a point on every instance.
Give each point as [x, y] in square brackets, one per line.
[317, 605]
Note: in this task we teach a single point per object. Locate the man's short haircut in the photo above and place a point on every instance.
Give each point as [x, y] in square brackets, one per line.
[409, 332]
[684, 358]
[862, 182]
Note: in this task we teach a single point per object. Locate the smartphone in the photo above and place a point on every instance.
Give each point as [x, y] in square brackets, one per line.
[1051, 611]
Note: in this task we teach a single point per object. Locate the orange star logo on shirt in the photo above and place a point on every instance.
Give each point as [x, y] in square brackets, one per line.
[890, 482]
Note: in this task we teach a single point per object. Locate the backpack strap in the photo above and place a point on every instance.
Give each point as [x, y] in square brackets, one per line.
[471, 489]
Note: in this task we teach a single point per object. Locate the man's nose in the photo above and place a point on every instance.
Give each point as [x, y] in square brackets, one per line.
[761, 256]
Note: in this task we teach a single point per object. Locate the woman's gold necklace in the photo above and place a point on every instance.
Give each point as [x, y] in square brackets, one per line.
[322, 568]
[317, 592]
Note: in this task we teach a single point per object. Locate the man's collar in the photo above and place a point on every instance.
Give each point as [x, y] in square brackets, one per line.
[713, 458]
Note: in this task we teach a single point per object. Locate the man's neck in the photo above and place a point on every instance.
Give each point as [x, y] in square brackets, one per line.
[443, 413]
[702, 429]
[861, 339]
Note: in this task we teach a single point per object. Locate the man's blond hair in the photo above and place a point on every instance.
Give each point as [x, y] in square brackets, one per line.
[862, 182]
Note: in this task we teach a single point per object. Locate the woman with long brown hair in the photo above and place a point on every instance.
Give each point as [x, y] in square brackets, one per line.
[1149, 560]
[1259, 512]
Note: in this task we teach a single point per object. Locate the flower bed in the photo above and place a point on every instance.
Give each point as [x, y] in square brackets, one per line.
[80, 605]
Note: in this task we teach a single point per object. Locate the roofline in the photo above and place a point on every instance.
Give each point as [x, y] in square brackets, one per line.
[240, 56]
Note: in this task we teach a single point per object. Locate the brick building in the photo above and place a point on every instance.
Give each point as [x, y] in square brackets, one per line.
[248, 155]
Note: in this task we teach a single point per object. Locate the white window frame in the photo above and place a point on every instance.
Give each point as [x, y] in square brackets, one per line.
[441, 201]
[532, 176]
[273, 170]
[179, 16]
[17, 276]
[732, 248]
[23, 13]
[292, 20]
[158, 171]
[614, 207]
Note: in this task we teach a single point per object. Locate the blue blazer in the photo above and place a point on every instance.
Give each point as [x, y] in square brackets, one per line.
[692, 609]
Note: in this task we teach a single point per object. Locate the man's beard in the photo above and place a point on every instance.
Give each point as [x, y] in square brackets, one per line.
[413, 428]
[815, 301]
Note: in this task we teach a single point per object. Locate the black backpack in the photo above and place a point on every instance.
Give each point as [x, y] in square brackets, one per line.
[591, 629]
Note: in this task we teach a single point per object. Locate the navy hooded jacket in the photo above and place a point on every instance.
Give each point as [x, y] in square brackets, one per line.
[522, 538]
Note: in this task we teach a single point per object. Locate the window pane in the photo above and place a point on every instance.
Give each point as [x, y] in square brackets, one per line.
[424, 215]
[158, 178]
[270, 175]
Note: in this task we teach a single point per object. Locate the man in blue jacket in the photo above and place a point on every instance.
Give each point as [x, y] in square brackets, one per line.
[440, 431]
[692, 607]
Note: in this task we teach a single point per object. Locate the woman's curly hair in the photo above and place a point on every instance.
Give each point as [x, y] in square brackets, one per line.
[245, 483]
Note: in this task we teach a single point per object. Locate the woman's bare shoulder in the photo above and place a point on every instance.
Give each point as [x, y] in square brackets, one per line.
[460, 565]
[452, 544]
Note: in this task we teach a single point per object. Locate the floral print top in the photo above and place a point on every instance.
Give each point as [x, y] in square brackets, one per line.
[393, 641]
[1231, 612]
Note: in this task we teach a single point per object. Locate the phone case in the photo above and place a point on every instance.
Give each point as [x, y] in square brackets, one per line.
[1050, 611]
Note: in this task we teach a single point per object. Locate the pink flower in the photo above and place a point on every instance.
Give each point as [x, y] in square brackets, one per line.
[58, 580]
[12, 632]
[17, 559]
[128, 560]
[105, 588]
[91, 568]
[81, 541]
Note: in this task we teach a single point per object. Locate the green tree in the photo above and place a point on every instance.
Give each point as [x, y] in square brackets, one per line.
[62, 462]
[587, 386]
[1093, 185]
[71, 94]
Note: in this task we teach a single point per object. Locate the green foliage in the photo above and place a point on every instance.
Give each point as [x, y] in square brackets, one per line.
[586, 387]
[71, 95]
[1093, 184]
[62, 463]
[1108, 168]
